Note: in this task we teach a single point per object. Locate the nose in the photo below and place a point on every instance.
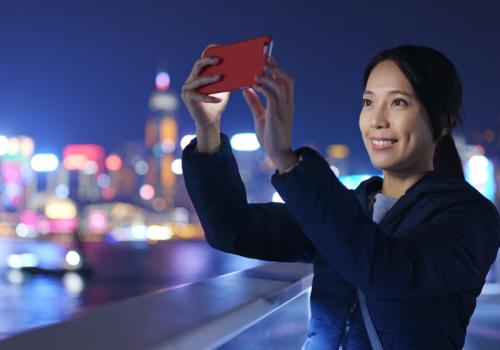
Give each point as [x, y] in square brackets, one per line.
[378, 119]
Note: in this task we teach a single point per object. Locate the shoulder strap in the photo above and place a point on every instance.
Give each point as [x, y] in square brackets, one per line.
[370, 328]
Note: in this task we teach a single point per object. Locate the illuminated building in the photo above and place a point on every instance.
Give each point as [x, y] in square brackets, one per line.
[16, 174]
[161, 140]
[85, 163]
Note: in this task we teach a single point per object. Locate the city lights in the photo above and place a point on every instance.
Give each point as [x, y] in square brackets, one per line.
[98, 221]
[60, 209]
[73, 258]
[22, 230]
[27, 146]
[245, 142]
[353, 181]
[75, 162]
[479, 172]
[113, 162]
[44, 162]
[62, 191]
[73, 283]
[4, 145]
[186, 139]
[14, 146]
[18, 261]
[162, 81]
[103, 180]
[147, 192]
[277, 198]
[177, 166]
[168, 146]
[141, 167]
[159, 233]
[76, 157]
[91, 167]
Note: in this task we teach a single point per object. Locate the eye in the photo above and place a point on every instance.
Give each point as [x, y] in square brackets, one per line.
[399, 102]
[366, 102]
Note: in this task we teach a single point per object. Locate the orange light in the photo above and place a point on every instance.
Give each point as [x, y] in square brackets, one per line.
[168, 132]
[167, 175]
[150, 133]
[75, 162]
[113, 162]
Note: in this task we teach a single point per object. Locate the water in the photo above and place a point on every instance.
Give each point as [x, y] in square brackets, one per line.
[121, 270]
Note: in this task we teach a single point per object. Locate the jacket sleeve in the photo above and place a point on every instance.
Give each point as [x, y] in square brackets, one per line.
[450, 253]
[265, 231]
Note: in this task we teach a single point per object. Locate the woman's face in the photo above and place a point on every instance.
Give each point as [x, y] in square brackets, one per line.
[395, 128]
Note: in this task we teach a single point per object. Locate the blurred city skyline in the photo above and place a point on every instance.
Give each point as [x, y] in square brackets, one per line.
[83, 72]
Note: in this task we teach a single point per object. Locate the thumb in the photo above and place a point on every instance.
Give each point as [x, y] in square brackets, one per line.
[253, 102]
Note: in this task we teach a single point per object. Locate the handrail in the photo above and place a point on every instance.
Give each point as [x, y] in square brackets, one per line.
[201, 315]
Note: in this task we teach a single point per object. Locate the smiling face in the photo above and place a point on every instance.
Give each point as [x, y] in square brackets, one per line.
[394, 124]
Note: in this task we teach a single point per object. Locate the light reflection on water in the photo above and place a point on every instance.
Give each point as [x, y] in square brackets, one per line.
[29, 301]
[121, 271]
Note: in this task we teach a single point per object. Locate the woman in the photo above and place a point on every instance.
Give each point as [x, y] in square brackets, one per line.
[398, 262]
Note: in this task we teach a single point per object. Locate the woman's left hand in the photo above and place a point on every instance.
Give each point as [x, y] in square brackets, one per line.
[273, 124]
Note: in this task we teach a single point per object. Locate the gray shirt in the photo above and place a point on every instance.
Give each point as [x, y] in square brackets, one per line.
[381, 206]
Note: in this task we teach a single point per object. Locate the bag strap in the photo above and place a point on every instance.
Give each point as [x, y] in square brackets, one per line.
[370, 328]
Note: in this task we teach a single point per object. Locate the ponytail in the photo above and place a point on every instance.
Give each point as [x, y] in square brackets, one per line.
[446, 158]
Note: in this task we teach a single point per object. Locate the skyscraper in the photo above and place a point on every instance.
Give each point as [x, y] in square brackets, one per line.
[161, 140]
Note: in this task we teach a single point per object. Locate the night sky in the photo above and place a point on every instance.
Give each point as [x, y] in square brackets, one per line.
[82, 71]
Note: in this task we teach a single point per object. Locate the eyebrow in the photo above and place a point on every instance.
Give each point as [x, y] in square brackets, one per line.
[393, 92]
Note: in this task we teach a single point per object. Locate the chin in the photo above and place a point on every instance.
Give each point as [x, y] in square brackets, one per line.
[385, 165]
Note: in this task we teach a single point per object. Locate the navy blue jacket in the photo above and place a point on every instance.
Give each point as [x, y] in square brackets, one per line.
[420, 269]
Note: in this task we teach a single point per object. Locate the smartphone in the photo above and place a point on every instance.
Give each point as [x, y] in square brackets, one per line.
[240, 62]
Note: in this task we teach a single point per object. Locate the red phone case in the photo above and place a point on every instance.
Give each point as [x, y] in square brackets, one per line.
[240, 62]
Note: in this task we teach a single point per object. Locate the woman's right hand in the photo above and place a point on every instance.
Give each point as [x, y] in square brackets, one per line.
[206, 110]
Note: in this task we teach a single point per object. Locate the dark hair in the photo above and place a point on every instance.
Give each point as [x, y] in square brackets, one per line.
[437, 85]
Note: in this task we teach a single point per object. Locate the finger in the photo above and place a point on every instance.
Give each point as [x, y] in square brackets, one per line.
[200, 64]
[272, 84]
[253, 102]
[275, 69]
[221, 95]
[288, 80]
[271, 100]
[201, 81]
[209, 46]
[193, 96]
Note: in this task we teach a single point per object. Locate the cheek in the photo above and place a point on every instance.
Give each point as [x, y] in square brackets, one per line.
[362, 123]
[417, 134]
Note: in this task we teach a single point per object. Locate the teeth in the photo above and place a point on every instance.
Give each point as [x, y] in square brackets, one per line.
[383, 142]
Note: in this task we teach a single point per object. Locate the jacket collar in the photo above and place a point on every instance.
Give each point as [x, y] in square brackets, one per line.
[432, 182]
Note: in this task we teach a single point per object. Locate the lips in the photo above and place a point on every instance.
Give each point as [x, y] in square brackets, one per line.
[382, 143]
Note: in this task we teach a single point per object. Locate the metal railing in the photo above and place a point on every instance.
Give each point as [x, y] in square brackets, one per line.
[201, 315]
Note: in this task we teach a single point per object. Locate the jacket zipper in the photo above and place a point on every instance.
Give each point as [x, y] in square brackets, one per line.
[347, 324]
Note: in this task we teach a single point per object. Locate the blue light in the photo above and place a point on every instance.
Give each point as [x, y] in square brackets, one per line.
[353, 181]
[479, 173]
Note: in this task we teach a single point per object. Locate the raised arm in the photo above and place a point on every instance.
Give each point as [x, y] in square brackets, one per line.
[264, 231]
[450, 253]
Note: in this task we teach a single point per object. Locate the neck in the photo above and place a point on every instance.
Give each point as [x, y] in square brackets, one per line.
[396, 184]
